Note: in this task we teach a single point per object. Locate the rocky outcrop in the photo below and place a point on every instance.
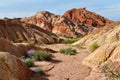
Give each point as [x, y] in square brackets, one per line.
[15, 49]
[108, 34]
[102, 54]
[17, 31]
[108, 38]
[105, 62]
[82, 15]
[11, 68]
[58, 24]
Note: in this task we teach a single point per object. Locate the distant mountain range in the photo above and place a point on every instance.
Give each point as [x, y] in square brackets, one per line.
[46, 27]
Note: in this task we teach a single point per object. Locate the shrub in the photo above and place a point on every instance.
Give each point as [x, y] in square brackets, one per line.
[94, 46]
[39, 70]
[39, 43]
[80, 47]
[29, 63]
[18, 41]
[69, 51]
[111, 73]
[42, 71]
[41, 55]
[70, 40]
[25, 41]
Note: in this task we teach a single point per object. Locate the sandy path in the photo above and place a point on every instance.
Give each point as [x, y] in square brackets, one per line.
[68, 67]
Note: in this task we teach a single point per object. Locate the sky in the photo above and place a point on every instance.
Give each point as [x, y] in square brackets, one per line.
[25, 8]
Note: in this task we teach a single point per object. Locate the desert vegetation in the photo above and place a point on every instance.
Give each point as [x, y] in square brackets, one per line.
[70, 40]
[111, 73]
[29, 63]
[93, 46]
[68, 51]
[40, 55]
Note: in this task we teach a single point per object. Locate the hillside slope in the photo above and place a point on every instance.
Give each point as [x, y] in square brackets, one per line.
[15, 31]
[105, 59]
[82, 15]
[58, 24]
[108, 34]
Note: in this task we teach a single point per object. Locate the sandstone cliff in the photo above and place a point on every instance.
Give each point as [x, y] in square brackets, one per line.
[15, 49]
[11, 68]
[105, 60]
[58, 24]
[108, 34]
[82, 15]
[15, 31]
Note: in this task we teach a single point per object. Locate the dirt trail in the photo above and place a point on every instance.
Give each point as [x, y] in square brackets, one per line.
[68, 67]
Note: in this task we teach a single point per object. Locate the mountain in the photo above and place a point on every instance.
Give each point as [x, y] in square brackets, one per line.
[82, 15]
[57, 24]
[17, 31]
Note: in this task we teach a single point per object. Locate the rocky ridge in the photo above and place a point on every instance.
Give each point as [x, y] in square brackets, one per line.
[18, 49]
[104, 61]
[82, 15]
[17, 31]
[57, 24]
[108, 34]
[107, 55]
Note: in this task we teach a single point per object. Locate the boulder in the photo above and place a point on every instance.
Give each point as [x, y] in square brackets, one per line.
[102, 54]
[15, 49]
[11, 68]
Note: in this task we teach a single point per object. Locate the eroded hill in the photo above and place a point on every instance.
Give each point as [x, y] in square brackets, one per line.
[82, 15]
[58, 24]
[104, 60]
[17, 31]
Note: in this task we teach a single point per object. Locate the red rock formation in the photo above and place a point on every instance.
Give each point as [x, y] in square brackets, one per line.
[15, 49]
[82, 15]
[15, 30]
[57, 24]
[11, 68]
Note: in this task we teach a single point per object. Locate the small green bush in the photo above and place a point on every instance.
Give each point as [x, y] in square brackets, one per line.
[116, 75]
[80, 47]
[41, 55]
[18, 41]
[29, 63]
[70, 40]
[110, 73]
[69, 51]
[42, 71]
[94, 46]
[39, 43]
